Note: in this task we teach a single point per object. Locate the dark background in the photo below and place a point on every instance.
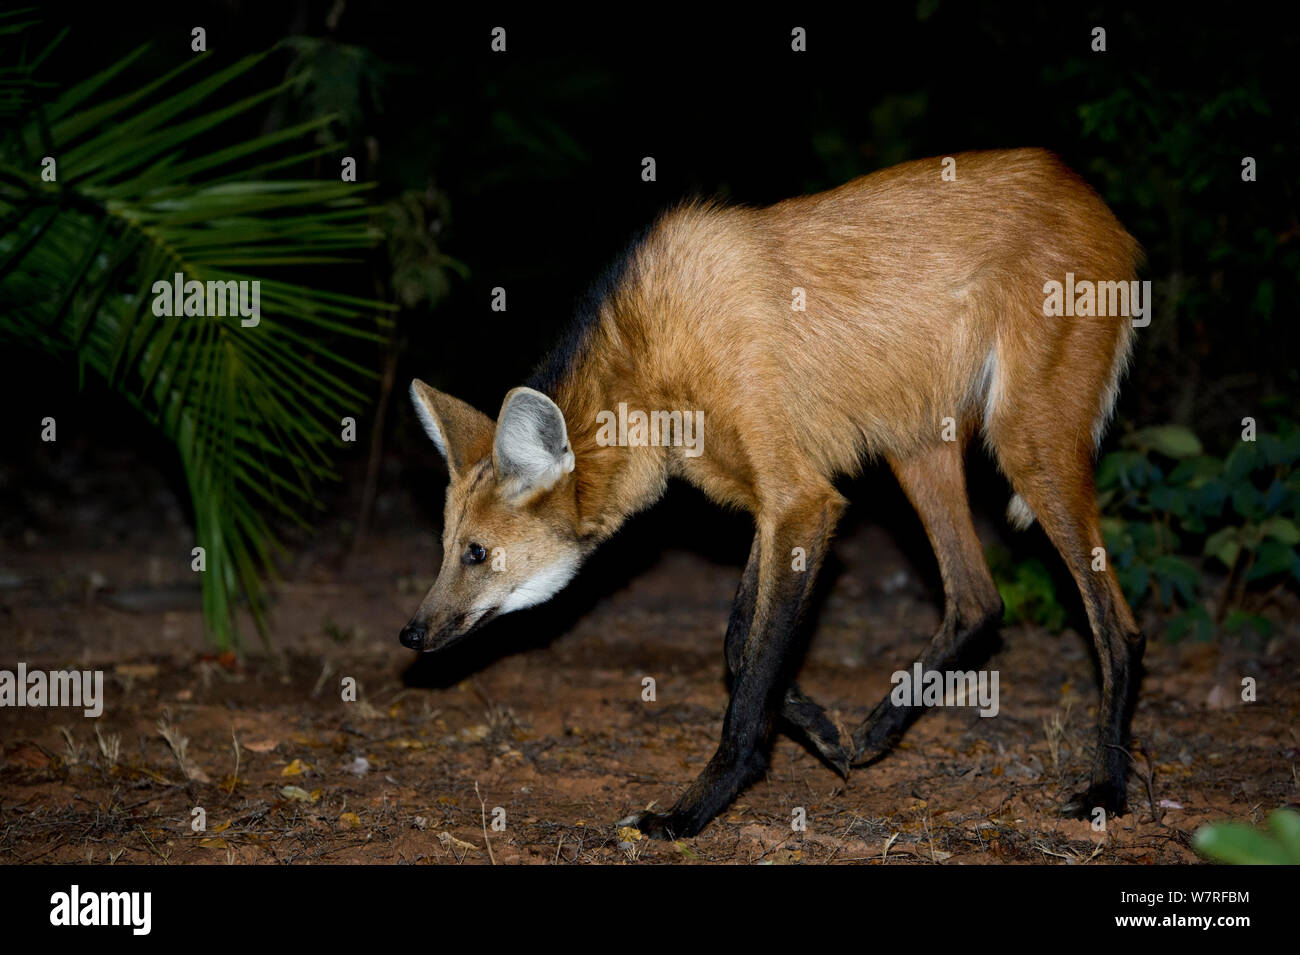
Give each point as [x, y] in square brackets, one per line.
[523, 170]
[538, 150]
[532, 163]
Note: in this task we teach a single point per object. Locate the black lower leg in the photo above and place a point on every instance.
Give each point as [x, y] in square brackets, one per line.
[761, 679]
[805, 719]
[1120, 659]
[956, 640]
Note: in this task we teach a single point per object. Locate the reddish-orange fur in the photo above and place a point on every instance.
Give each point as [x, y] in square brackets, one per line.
[923, 326]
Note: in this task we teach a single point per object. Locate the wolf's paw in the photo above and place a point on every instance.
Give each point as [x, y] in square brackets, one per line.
[825, 739]
[876, 736]
[836, 756]
[661, 825]
[809, 721]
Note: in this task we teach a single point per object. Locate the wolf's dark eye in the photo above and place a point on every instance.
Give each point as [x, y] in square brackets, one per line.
[475, 554]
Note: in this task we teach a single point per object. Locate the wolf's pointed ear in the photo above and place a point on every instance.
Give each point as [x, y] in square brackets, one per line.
[531, 451]
[463, 434]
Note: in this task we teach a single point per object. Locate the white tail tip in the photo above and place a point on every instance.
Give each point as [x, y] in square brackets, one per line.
[1019, 514]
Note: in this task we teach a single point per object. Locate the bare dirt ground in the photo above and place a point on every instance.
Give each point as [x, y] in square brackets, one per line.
[541, 724]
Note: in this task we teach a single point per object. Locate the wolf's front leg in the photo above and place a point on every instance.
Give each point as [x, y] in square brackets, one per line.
[804, 718]
[764, 672]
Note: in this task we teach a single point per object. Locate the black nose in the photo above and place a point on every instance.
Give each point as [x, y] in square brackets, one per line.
[412, 637]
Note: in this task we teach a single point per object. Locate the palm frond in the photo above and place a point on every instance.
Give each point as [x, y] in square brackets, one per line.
[254, 412]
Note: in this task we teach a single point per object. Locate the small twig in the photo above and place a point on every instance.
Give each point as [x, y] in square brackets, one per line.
[171, 788]
[483, 808]
[925, 821]
[844, 835]
[769, 851]
[58, 843]
[325, 673]
[234, 779]
[151, 845]
[1046, 851]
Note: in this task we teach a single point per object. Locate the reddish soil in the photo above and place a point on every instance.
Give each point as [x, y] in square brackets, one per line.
[543, 717]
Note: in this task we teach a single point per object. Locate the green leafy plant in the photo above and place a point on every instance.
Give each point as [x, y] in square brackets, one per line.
[1171, 515]
[1239, 844]
[1170, 508]
[254, 412]
[1027, 589]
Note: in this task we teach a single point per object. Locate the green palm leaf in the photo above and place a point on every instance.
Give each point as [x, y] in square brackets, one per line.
[254, 412]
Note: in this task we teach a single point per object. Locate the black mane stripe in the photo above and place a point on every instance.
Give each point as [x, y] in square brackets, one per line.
[548, 375]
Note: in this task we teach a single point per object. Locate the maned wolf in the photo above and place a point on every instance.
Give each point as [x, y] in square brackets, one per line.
[924, 321]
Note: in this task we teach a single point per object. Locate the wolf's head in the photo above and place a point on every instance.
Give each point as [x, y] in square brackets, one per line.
[510, 534]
